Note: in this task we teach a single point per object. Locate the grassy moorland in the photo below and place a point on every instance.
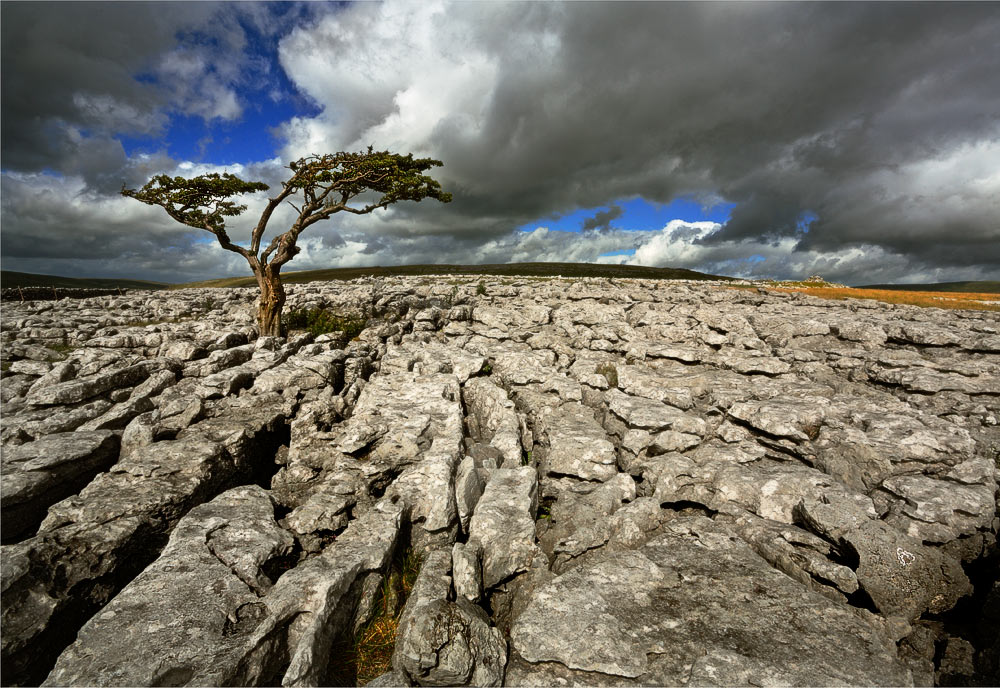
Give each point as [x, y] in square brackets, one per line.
[980, 301]
[11, 280]
[981, 287]
[506, 269]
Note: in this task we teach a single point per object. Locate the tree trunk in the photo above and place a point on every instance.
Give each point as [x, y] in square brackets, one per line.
[272, 300]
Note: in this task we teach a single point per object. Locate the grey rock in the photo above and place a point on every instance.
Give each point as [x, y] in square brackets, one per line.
[442, 643]
[82, 389]
[59, 372]
[958, 662]
[939, 510]
[219, 360]
[432, 357]
[140, 432]
[468, 489]
[701, 607]
[225, 383]
[651, 415]
[206, 585]
[40, 473]
[180, 412]
[573, 443]
[50, 421]
[15, 387]
[503, 525]
[829, 436]
[758, 364]
[797, 420]
[183, 350]
[321, 512]
[390, 679]
[902, 576]
[801, 555]
[119, 415]
[868, 334]
[105, 530]
[492, 418]
[467, 571]
[311, 603]
[29, 367]
[579, 519]
[304, 371]
[678, 391]
[154, 384]
[635, 523]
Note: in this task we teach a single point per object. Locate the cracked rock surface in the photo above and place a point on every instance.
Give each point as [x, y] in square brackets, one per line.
[607, 482]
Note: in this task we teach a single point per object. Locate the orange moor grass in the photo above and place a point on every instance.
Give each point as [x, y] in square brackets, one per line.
[925, 299]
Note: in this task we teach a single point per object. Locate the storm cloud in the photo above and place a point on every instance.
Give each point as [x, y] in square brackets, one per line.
[860, 141]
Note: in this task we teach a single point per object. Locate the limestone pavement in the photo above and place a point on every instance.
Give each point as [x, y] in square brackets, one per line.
[608, 482]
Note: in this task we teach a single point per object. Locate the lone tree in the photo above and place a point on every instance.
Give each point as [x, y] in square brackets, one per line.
[328, 184]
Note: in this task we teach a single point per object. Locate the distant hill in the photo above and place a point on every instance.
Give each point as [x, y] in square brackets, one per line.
[10, 279]
[980, 287]
[506, 269]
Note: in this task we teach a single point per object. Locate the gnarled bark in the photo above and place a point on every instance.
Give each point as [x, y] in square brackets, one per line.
[272, 300]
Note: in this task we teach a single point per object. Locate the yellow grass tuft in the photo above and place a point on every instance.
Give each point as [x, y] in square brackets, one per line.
[366, 656]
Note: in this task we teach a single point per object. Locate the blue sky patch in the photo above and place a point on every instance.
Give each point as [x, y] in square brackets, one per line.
[267, 98]
[635, 214]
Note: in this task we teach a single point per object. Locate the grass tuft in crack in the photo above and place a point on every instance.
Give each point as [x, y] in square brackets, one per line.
[368, 655]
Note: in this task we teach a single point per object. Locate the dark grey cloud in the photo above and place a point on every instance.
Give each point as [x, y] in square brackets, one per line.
[602, 220]
[838, 110]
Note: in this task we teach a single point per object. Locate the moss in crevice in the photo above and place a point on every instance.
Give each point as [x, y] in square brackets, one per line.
[319, 321]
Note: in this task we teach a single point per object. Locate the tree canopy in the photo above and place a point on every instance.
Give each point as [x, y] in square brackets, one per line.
[318, 187]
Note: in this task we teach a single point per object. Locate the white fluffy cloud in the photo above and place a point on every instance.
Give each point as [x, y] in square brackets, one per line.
[388, 74]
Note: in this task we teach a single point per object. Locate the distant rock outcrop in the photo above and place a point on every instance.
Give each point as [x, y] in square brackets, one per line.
[608, 482]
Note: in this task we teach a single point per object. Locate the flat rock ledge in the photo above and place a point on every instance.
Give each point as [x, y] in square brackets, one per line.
[606, 482]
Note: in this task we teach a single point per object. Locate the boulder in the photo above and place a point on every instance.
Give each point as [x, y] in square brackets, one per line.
[503, 524]
[40, 473]
[701, 607]
[206, 584]
[902, 576]
[443, 643]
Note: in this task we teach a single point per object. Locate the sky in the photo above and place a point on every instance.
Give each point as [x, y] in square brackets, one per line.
[856, 141]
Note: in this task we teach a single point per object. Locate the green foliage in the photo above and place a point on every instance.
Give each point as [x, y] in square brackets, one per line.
[545, 508]
[487, 369]
[319, 321]
[201, 201]
[396, 177]
[59, 351]
[481, 288]
[610, 373]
